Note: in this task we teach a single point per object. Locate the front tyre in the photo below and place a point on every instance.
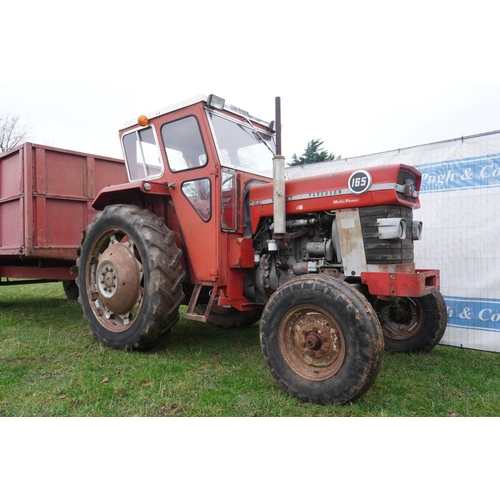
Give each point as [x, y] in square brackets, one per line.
[413, 324]
[321, 340]
[130, 278]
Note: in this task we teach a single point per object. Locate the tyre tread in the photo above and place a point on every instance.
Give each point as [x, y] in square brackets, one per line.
[165, 289]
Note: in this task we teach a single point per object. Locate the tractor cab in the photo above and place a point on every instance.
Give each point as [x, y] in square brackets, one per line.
[191, 163]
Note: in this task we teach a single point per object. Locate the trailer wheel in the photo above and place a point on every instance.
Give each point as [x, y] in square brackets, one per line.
[413, 324]
[130, 278]
[321, 340]
[70, 289]
[229, 317]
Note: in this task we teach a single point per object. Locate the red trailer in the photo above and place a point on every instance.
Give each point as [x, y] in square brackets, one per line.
[46, 197]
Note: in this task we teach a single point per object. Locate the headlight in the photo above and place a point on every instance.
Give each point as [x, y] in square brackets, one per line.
[391, 229]
[215, 102]
[416, 230]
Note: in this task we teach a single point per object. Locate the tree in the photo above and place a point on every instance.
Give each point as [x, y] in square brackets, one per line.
[314, 153]
[12, 131]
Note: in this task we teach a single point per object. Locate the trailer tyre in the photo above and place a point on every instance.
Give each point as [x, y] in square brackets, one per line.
[130, 278]
[321, 340]
[413, 324]
[70, 289]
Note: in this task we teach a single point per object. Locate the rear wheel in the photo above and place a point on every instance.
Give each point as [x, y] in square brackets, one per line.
[130, 278]
[413, 324]
[321, 340]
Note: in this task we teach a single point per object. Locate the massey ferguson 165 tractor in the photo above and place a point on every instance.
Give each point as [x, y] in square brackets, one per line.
[325, 262]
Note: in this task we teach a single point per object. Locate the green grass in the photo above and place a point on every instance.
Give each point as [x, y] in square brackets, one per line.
[52, 366]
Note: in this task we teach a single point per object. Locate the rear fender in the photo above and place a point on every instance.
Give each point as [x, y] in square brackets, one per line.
[130, 193]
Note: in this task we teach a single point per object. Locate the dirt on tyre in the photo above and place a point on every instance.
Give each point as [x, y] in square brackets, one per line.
[321, 340]
[413, 324]
[129, 278]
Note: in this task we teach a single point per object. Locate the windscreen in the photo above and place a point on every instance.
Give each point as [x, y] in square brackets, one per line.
[243, 146]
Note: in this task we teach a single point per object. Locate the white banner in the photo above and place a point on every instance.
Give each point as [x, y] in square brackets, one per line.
[460, 197]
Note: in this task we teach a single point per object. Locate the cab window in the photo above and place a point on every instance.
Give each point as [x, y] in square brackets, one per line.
[197, 193]
[183, 144]
[228, 198]
[142, 155]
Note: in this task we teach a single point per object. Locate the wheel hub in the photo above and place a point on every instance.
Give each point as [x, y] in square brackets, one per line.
[118, 278]
[402, 319]
[108, 282]
[312, 343]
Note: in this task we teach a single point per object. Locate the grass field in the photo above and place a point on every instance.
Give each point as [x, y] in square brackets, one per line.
[52, 366]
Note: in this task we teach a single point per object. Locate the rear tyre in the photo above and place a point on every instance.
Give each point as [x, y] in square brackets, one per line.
[413, 324]
[229, 317]
[321, 340]
[130, 278]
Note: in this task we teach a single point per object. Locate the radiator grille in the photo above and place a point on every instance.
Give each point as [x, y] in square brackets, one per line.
[386, 251]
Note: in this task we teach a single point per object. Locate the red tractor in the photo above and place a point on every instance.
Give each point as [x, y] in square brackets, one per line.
[325, 263]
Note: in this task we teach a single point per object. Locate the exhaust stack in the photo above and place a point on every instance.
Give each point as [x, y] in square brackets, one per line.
[279, 180]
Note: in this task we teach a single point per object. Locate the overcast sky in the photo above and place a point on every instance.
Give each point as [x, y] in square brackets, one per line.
[364, 77]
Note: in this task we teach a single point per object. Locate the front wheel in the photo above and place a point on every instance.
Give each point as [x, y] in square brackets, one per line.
[130, 278]
[321, 340]
[413, 324]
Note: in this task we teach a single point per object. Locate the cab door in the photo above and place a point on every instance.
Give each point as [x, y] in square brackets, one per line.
[194, 185]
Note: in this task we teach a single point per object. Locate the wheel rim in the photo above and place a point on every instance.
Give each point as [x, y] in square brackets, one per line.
[312, 343]
[115, 280]
[402, 320]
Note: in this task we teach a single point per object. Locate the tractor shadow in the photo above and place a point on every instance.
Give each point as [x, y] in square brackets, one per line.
[194, 335]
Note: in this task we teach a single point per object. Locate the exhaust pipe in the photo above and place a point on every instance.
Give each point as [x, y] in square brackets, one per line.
[279, 180]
